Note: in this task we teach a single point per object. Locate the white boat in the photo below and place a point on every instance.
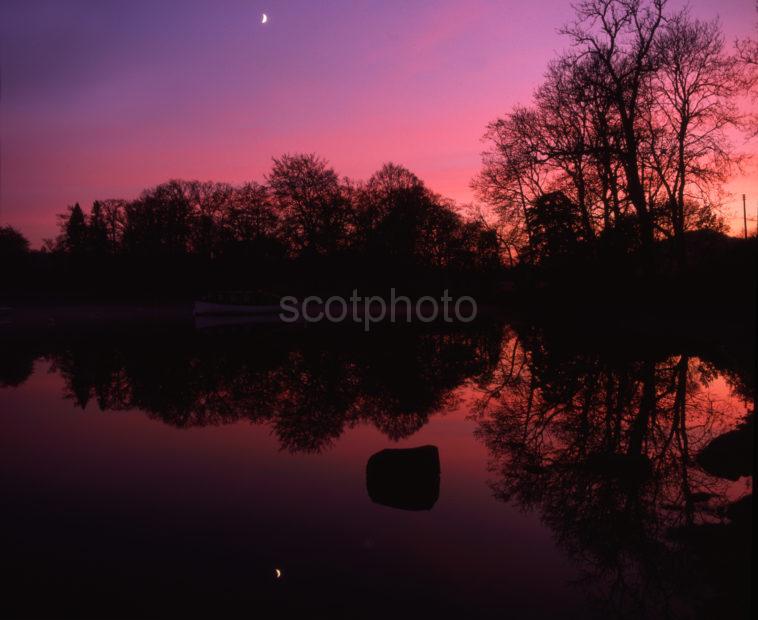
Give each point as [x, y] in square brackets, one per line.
[206, 308]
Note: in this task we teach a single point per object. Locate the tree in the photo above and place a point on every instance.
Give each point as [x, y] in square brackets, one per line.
[251, 214]
[208, 202]
[556, 228]
[633, 121]
[12, 244]
[747, 57]
[97, 231]
[74, 233]
[250, 224]
[159, 222]
[399, 221]
[618, 36]
[311, 204]
[113, 215]
[390, 213]
[692, 107]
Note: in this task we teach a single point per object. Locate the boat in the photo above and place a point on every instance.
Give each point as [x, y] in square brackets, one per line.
[238, 303]
[205, 308]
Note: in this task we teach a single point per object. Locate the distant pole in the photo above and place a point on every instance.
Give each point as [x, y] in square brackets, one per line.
[744, 215]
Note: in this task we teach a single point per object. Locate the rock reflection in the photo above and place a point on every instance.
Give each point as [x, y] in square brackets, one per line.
[631, 461]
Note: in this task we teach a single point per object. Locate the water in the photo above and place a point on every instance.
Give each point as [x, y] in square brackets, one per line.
[154, 470]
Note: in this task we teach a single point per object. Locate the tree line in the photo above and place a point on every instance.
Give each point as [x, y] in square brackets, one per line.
[304, 210]
[304, 222]
[627, 141]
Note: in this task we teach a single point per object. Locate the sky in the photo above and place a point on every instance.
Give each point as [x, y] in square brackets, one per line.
[102, 99]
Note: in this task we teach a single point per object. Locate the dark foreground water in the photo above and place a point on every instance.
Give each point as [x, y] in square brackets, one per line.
[168, 471]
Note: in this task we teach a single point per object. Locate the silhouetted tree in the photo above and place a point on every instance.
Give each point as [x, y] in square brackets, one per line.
[747, 57]
[14, 260]
[692, 109]
[12, 244]
[250, 224]
[159, 222]
[633, 120]
[556, 229]
[74, 235]
[312, 204]
[401, 222]
[97, 231]
[113, 213]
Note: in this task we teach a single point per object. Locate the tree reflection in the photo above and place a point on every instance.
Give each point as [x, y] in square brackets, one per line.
[308, 387]
[624, 448]
[16, 364]
[604, 445]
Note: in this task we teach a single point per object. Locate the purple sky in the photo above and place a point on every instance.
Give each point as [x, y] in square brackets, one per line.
[101, 99]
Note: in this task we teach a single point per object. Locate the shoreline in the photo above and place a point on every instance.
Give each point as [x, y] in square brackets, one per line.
[576, 316]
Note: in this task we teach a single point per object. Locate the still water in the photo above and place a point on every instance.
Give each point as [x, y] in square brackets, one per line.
[162, 470]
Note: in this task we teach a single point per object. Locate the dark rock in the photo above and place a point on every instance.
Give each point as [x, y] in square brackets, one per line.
[730, 455]
[408, 479]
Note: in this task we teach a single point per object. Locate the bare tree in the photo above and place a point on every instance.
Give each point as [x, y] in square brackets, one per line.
[633, 121]
[513, 175]
[618, 36]
[691, 107]
[747, 57]
[311, 202]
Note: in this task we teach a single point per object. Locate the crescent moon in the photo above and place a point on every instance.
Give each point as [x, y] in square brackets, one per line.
[277, 573]
[264, 18]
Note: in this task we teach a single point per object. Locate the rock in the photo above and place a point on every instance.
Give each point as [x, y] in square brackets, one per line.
[408, 479]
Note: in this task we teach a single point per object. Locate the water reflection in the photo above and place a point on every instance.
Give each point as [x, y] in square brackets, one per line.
[309, 387]
[636, 453]
[628, 458]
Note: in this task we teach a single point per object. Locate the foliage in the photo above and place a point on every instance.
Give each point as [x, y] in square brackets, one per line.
[304, 225]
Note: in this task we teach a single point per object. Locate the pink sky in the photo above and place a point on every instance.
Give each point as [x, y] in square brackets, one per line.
[102, 100]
